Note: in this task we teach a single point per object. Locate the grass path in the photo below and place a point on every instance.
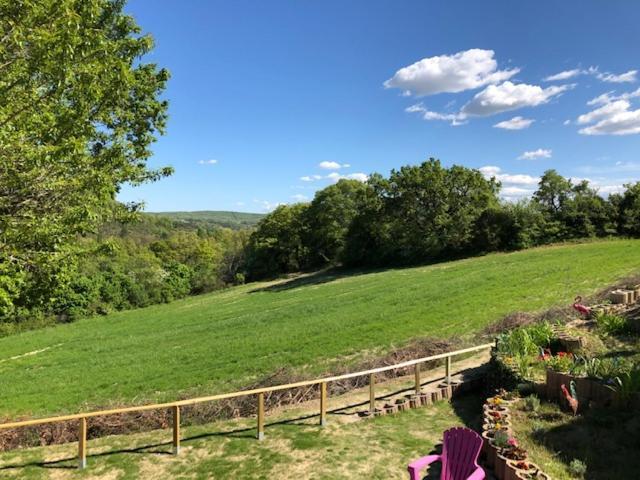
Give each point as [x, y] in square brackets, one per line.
[223, 341]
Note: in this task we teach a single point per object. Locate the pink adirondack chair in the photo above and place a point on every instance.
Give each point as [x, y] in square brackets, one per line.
[460, 450]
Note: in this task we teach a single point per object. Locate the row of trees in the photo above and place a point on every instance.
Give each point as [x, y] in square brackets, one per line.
[429, 213]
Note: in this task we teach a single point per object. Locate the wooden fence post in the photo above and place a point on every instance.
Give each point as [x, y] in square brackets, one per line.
[372, 393]
[176, 429]
[448, 373]
[323, 404]
[261, 416]
[418, 383]
[82, 443]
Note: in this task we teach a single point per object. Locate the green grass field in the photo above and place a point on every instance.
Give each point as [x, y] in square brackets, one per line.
[226, 340]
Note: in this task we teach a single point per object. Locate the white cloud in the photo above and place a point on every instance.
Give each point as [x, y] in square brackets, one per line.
[608, 97]
[533, 154]
[311, 178]
[333, 165]
[465, 70]
[455, 118]
[517, 179]
[208, 162]
[300, 198]
[516, 123]
[567, 74]
[626, 77]
[509, 96]
[240, 204]
[361, 177]
[516, 192]
[615, 118]
[267, 206]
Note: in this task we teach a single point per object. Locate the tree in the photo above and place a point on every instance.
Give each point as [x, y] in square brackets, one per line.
[329, 217]
[277, 245]
[627, 206]
[78, 112]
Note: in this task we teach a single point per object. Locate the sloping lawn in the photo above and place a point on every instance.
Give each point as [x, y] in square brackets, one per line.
[224, 341]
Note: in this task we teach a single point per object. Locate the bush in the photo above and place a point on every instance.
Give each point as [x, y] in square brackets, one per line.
[578, 468]
[532, 404]
[610, 324]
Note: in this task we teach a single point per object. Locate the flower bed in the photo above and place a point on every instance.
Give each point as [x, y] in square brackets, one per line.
[501, 450]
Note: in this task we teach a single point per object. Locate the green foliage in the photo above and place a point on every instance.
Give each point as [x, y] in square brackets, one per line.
[627, 383]
[532, 404]
[611, 324]
[561, 363]
[577, 468]
[525, 341]
[208, 219]
[501, 439]
[78, 112]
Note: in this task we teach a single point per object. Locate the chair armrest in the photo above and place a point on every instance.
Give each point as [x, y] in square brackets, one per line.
[417, 465]
[477, 475]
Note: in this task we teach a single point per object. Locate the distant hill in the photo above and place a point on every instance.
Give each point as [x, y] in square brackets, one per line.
[225, 219]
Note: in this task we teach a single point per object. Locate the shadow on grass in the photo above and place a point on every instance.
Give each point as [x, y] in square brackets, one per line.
[606, 440]
[468, 408]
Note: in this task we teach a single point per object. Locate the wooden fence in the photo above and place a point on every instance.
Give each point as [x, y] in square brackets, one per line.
[258, 392]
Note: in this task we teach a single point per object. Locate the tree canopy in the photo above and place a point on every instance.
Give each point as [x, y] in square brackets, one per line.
[78, 113]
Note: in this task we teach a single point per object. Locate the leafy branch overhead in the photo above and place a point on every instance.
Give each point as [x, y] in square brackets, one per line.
[78, 113]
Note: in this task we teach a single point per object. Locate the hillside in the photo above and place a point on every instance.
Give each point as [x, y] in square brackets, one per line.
[226, 340]
[222, 218]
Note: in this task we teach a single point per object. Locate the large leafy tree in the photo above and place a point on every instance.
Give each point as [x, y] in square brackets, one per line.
[78, 112]
[330, 215]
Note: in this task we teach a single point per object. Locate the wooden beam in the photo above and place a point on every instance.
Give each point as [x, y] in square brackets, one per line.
[372, 393]
[418, 385]
[448, 371]
[323, 404]
[261, 416]
[82, 443]
[176, 429]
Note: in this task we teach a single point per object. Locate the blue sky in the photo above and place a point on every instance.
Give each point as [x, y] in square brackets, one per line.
[264, 94]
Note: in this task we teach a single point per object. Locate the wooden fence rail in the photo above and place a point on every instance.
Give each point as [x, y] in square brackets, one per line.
[259, 392]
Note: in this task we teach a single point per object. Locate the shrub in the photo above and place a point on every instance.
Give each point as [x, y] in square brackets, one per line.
[628, 383]
[610, 324]
[560, 362]
[532, 404]
[577, 468]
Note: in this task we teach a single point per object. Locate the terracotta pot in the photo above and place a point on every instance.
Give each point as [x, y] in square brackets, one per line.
[500, 465]
[390, 408]
[512, 470]
[436, 396]
[541, 475]
[507, 426]
[378, 412]
[402, 404]
[489, 450]
[425, 398]
[415, 401]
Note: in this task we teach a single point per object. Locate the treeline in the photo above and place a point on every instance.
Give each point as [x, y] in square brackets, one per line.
[430, 213]
[130, 265]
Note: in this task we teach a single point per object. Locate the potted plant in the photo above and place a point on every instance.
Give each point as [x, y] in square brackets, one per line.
[513, 453]
[516, 467]
[489, 448]
[533, 474]
[501, 441]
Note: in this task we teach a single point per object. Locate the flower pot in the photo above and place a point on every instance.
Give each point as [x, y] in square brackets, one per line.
[488, 449]
[506, 426]
[533, 473]
[436, 396]
[415, 401]
[425, 398]
[500, 465]
[446, 391]
[517, 466]
[402, 404]
[554, 380]
[389, 408]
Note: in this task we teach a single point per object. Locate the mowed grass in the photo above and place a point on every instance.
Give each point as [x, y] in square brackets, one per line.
[224, 341]
[294, 447]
